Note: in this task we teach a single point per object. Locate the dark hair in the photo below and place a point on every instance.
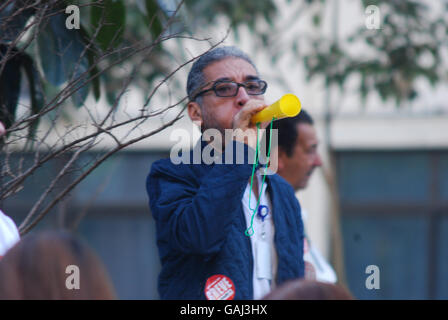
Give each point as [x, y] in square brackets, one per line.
[302, 289]
[196, 77]
[287, 130]
[35, 268]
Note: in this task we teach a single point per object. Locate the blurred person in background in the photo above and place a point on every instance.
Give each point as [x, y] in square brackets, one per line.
[9, 235]
[41, 267]
[297, 160]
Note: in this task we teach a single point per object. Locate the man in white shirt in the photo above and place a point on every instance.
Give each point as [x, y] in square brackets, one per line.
[9, 234]
[297, 160]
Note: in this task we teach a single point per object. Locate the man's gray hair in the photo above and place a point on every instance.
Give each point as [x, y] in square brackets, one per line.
[196, 78]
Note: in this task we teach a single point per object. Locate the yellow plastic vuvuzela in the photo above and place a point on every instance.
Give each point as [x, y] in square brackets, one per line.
[287, 106]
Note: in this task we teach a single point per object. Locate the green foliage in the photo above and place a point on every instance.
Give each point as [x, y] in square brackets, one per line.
[13, 21]
[239, 12]
[9, 87]
[36, 94]
[66, 55]
[10, 84]
[407, 38]
[153, 20]
[110, 17]
[60, 51]
[72, 55]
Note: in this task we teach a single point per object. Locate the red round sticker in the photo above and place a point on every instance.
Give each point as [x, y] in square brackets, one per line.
[219, 287]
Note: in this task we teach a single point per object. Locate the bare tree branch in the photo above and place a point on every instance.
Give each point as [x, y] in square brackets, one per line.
[66, 133]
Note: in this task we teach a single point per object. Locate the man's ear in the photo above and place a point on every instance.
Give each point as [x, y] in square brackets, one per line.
[282, 157]
[195, 113]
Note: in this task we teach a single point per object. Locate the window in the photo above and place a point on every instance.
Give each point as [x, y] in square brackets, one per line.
[116, 220]
[394, 212]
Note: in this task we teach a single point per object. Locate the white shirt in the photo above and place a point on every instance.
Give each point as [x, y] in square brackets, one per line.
[261, 284]
[9, 235]
[322, 269]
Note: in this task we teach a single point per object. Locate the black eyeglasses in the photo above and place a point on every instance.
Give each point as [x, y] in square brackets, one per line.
[224, 88]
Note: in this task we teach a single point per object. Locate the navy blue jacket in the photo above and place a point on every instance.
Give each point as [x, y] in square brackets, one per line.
[200, 226]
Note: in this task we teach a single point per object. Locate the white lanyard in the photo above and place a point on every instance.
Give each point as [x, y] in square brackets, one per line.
[263, 256]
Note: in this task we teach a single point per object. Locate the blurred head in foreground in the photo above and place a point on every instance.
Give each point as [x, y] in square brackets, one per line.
[309, 290]
[53, 265]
